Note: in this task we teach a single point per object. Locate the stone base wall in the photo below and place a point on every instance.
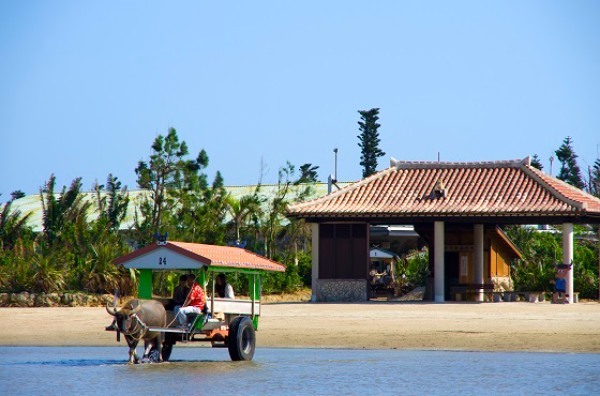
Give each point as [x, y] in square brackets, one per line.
[25, 299]
[341, 290]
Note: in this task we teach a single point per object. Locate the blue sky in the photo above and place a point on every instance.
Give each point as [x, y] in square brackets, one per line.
[85, 87]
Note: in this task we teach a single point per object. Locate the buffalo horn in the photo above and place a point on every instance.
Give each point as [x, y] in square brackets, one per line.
[136, 309]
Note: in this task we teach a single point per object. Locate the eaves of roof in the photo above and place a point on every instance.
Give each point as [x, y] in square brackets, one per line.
[492, 190]
[209, 255]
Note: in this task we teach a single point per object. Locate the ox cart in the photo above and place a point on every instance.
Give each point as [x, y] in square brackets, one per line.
[225, 323]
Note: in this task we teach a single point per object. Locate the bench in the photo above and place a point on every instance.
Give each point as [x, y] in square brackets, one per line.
[527, 296]
[468, 291]
[534, 297]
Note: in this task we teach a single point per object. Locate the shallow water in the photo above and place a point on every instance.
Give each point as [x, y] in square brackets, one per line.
[203, 371]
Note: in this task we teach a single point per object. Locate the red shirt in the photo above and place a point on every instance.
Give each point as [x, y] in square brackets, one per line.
[197, 298]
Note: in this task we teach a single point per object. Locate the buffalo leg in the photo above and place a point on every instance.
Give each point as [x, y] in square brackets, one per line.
[133, 358]
[152, 351]
[148, 344]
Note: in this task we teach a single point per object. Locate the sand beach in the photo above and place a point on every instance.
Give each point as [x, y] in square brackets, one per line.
[518, 326]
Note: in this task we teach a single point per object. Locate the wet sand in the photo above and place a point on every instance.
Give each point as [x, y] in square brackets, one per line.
[515, 326]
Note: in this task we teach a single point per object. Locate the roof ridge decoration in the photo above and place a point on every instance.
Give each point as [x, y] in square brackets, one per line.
[535, 174]
[516, 163]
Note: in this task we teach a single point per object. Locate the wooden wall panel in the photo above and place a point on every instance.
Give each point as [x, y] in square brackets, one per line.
[360, 251]
[326, 251]
[343, 251]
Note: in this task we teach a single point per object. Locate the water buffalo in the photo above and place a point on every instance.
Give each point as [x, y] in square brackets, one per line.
[134, 319]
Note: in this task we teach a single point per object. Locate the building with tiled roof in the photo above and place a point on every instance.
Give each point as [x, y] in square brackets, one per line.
[510, 191]
[440, 199]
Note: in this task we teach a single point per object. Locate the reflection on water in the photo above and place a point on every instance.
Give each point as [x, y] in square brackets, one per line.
[200, 371]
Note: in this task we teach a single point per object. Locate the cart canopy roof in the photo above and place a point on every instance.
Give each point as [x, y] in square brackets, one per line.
[171, 255]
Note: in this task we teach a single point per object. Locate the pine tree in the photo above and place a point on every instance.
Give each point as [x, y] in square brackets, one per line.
[536, 163]
[569, 170]
[174, 181]
[369, 140]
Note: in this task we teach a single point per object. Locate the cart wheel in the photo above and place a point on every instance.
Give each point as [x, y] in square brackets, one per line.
[167, 348]
[242, 340]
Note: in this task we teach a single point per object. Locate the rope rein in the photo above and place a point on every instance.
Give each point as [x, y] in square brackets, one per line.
[142, 331]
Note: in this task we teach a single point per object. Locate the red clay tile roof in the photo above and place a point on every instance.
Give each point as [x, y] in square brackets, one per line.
[212, 255]
[229, 256]
[489, 189]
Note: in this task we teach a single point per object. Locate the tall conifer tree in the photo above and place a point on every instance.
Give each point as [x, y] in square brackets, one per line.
[536, 163]
[369, 140]
[569, 170]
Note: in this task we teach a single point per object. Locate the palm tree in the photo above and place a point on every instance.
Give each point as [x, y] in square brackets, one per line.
[62, 213]
[296, 232]
[276, 208]
[12, 226]
[241, 210]
[48, 274]
[112, 206]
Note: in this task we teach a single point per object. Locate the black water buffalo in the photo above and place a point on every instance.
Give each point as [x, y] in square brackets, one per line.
[134, 319]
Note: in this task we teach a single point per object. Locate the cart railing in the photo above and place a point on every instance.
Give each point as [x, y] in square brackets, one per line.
[235, 306]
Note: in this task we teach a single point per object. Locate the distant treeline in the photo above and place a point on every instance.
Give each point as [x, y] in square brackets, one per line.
[73, 252]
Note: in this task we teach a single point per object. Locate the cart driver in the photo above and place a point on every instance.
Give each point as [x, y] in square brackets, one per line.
[179, 294]
[194, 302]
